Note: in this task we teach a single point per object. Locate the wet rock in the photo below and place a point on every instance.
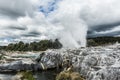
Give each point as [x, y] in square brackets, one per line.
[17, 65]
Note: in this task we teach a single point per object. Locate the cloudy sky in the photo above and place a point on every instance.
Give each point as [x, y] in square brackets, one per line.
[33, 20]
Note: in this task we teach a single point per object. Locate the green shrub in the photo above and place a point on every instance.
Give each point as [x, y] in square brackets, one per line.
[26, 75]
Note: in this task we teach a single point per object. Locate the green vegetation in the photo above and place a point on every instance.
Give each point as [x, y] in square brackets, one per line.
[97, 41]
[34, 46]
[26, 75]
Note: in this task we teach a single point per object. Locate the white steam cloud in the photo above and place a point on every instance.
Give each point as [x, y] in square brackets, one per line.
[74, 28]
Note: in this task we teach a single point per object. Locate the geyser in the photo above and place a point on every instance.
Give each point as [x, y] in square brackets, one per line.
[74, 28]
[74, 33]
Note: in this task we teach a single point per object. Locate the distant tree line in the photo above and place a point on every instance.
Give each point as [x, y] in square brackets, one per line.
[33, 46]
[50, 44]
[97, 41]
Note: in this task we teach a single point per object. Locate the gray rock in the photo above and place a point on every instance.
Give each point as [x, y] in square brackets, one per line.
[94, 63]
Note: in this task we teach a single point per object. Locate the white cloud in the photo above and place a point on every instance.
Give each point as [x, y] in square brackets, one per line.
[22, 20]
[99, 12]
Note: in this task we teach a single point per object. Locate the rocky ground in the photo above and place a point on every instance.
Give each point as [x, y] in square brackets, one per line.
[94, 63]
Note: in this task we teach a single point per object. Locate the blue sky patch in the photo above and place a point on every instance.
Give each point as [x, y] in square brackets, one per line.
[51, 6]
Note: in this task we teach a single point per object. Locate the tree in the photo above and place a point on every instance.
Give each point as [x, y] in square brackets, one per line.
[34, 46]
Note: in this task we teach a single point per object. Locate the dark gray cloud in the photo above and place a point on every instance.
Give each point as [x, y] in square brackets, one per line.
[11, 14]
[15, 8]
[31, 34]
[106, 34]
[104, 27]
[16, 27]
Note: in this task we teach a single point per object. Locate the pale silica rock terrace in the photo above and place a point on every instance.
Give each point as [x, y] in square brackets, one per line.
[94, 63]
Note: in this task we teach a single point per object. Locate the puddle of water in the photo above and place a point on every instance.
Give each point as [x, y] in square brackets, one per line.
[42, 75]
